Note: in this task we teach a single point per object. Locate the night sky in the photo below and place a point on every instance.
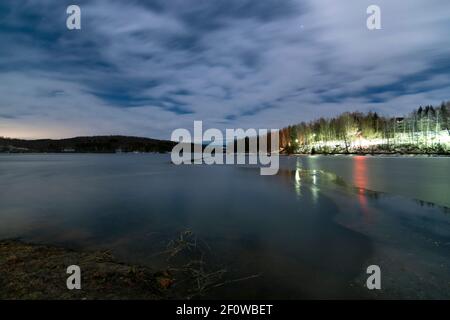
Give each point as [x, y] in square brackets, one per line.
[147, 67]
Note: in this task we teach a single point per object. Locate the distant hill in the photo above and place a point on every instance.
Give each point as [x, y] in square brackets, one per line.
[97, 144]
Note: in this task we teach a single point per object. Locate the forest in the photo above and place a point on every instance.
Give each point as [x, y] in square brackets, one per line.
[426, 130]
[96, 144]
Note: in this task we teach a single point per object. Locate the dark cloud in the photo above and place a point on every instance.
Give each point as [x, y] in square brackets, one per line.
[148, 67]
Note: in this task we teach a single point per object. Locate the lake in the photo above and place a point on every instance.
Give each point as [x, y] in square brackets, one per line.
[309, 232]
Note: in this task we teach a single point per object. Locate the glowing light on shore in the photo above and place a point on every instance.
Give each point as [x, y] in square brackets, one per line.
[419, 139]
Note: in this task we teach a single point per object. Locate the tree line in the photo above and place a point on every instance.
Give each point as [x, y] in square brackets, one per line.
[425, 130]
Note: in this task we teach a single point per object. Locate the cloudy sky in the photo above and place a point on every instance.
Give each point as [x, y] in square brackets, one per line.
[147, 67]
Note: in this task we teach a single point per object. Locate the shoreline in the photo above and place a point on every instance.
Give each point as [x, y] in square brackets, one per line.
[39, 272]
[247, 154]
[446, 155]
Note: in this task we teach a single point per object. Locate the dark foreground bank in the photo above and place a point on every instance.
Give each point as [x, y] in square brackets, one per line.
[31, 271]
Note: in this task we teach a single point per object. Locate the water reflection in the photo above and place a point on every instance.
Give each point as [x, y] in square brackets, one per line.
[298, 180]
[307, 238]
[314, 187]
[320, 182]
[301, 179]
[360, 180]
[316, 181]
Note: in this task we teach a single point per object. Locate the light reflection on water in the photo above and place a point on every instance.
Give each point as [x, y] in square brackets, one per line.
[361, 182]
